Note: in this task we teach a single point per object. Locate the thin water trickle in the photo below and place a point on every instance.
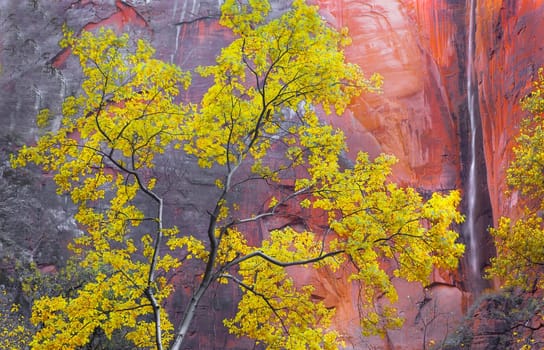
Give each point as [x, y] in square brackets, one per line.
[178, 28]
[37, 98]
[472, 175]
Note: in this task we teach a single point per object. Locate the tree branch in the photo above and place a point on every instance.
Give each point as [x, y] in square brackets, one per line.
[261, 295]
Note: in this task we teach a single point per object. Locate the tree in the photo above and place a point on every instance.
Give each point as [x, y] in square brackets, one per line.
[256, 125]
[520, 243]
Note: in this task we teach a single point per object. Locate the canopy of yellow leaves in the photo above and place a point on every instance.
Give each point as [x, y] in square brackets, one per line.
[520, 243]
[258, 121]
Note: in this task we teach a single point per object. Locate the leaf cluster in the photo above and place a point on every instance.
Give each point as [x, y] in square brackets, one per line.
[520, 242]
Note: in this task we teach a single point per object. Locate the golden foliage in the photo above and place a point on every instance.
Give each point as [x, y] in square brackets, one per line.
[258, 115]
[520, 243]
[15, 333]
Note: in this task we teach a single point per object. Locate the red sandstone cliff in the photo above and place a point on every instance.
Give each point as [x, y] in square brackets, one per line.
[412, 119]
[509, 53]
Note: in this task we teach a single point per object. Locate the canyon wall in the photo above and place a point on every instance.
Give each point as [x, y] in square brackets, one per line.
[509, 53]
[419, 46]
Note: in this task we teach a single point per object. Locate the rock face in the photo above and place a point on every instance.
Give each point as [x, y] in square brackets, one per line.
[500, 321]
[419, 46]
[387, 38]
[507, 59]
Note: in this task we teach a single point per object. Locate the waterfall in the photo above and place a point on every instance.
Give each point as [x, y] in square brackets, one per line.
[472, 185]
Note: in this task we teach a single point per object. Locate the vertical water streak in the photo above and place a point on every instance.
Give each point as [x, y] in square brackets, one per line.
[178, 28]
[37, 98]
[472, 175]
[62, 90]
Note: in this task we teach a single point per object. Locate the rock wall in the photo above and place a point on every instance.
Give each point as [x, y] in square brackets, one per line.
[509, 53]
[412, 119]
[419, 46]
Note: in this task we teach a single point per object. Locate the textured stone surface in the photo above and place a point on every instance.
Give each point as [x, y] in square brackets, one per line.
[411, 118]
[419, 46]
[508, 55]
